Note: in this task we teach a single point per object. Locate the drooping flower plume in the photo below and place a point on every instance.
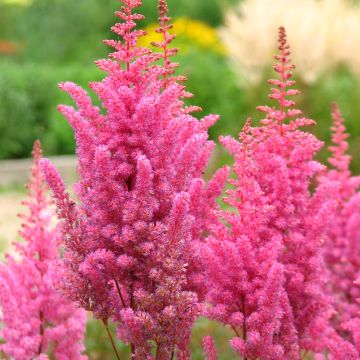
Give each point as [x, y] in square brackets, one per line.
[37, 320]
[265, 272]
[131, 243]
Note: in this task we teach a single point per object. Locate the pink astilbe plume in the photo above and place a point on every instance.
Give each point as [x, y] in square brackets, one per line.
[209, 348]
[36, 320]
[131, 243]
[265, 273]
[342, 244]
[165, 26]
[353, 325]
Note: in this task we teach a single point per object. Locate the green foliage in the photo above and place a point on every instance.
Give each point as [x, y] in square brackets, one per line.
[98, 346]
[23, 108]
[343, 88]
[60, 31]
[28, 100]
[209, 11]
[315, 102]
[214, 86]
[58, 40]
[30, 96]
[8, 14]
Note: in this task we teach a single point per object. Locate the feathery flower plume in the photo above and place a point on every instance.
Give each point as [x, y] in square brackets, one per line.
[209, 348]
[265, 274]
[353, 325]
[342, 244]
[165, 27]
[37, 321]
[131, 244]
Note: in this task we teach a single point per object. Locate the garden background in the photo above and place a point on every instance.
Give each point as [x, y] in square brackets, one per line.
[226, 58]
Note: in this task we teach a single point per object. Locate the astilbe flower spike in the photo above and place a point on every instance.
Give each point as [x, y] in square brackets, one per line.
[265, 273]
[131, 243]
[353, 325]
[209, 348]
[342, 244]
[35, 317]
[165, 27]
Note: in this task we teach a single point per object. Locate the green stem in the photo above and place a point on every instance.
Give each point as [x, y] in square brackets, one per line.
[105, 322]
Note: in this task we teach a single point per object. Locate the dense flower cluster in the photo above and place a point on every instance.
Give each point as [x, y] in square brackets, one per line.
[36, 319]
[265, 273]
[147, 246]
[131, 244]
[342, 244]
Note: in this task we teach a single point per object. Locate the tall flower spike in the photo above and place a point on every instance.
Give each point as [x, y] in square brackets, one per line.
[341, 247]
[263, 256]
[353, 325]
[209, 348]
[127, 51]
[132, 242]
[282, 90]
[37, 321]
[169, 67]
[340, 160]
[39, 213]
[165, 27]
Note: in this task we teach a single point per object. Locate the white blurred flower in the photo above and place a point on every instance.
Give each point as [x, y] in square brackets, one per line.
[322, 35]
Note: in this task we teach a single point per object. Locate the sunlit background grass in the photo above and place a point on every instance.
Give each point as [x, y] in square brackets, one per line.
[226, 52]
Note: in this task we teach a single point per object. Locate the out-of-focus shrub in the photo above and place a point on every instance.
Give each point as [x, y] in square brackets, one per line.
[343, 87]
[190, 33]
[215, 89]
[60, 31]
[28, 99]
[57, 34]
[29, 96]
[209, 11]
[24, 99]
[54, 41]
[65, 30]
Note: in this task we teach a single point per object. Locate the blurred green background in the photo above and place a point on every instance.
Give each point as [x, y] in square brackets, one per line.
[43, 42]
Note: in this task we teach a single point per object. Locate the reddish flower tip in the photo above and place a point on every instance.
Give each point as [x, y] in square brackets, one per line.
[37, 151]
[282, 39]
[163, 10]
[281, 92]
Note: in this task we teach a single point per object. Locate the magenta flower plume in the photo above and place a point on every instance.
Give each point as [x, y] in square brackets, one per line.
[342, 244]
[209, 348]
[265, 273]
[37, 321]
[353, 325]
[131, 244]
